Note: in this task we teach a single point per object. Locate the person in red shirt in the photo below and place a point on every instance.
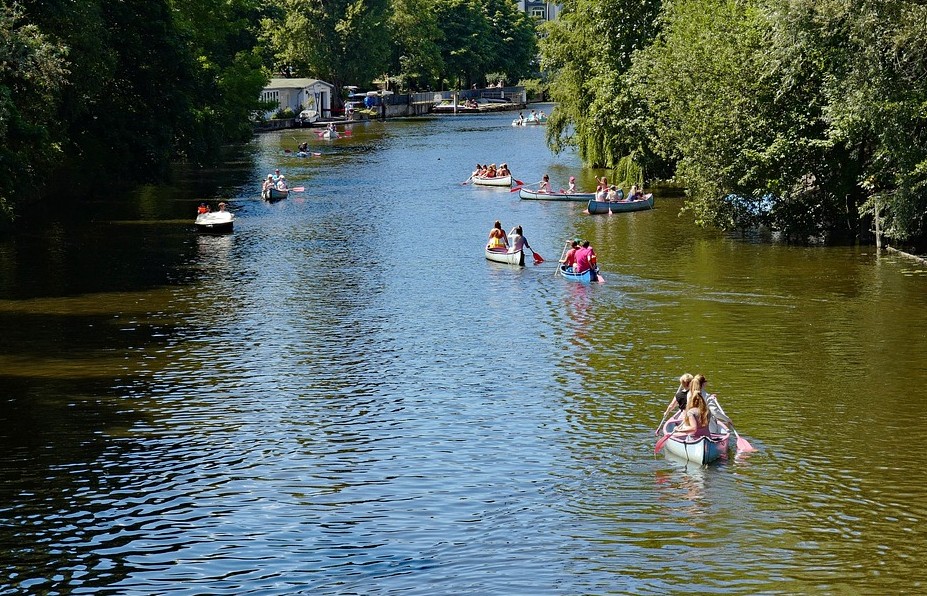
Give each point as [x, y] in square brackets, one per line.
[570, 259]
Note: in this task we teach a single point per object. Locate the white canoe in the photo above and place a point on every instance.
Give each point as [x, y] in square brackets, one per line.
[215, 221]
[701, 450]
[496, 181]
[502, 255]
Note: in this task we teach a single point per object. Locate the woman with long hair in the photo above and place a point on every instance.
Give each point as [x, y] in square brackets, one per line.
[696, 415]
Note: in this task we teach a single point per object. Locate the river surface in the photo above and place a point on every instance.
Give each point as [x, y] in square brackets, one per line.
[344, 397]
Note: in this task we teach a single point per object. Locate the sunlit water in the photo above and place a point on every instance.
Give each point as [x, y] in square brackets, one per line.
[343, 396]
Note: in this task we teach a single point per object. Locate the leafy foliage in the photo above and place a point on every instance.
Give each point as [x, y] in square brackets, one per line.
[31, 65]
[588, 54]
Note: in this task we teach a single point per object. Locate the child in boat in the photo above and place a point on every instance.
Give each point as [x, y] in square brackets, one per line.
[572, 188]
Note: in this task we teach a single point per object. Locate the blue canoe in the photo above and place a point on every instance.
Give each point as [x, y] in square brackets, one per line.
[604, 207]
[587, 276]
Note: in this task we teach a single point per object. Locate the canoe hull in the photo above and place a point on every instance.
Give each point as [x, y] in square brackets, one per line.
[702, 450]
[605, 207]
[533, 195]
[497, 181]
[502, 255]
[588, 276]
[217, 222]
[273, 194]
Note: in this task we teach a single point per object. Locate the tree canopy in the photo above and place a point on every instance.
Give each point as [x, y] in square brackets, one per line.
[800, 115]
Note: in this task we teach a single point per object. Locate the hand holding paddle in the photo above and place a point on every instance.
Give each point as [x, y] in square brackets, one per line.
[538, 259]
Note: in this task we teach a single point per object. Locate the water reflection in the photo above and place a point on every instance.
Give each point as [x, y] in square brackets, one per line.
[343, 395]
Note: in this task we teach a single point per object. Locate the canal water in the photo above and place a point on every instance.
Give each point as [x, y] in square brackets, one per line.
[344, 397]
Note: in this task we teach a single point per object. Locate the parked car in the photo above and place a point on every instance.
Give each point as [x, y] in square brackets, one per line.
[307, 117]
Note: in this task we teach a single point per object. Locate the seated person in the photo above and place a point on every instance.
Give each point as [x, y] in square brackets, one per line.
[281, 183]
[497, 237]
[570, 259]
[545, 185]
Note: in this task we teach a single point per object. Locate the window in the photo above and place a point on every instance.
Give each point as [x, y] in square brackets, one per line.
[539, 12]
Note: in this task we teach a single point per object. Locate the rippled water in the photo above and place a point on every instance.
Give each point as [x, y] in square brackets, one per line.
[344, 397]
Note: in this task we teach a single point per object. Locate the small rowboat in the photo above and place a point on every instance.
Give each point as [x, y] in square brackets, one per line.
[496, 181]
[524, 193]
[700, 450]
[528, 121]
[272, 194]
[588, 276]
[502, 255]
[216, 222]
[605, 207]
[330, 134]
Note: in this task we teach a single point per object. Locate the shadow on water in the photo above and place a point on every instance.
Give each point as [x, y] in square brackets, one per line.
[343, 395]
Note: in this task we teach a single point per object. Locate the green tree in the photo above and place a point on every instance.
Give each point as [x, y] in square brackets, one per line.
[416, 56]
[228, 72]
[588, 54]
[514, 40]
[869, 61]
[465, 49]
[339, 41]
[31, 65]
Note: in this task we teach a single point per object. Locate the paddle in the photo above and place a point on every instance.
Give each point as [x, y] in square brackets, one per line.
[742, 443]
[538, 259]
[661, 442]
[518, 182]
[298, 189]
[467, 181]
[662, 420]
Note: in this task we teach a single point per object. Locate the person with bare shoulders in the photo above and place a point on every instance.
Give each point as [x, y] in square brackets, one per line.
[545, 185]
[695, 417]
[682, 393]
[569, 258]
[497, 237]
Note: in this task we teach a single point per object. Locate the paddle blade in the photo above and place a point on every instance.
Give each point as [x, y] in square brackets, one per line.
[516, 189]
[518, 182]
[744, 445]
[538, 259]
[298, 189]
[660, 443]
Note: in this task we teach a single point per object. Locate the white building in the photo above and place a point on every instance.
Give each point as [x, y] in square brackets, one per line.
[540, 10]
[299, 95]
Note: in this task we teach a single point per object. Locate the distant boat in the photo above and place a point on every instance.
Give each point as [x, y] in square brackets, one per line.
[529, 121]
[272, 195]
[534, 195]
[502, 255]
[216, 222]
[495, 181]
[604, 207]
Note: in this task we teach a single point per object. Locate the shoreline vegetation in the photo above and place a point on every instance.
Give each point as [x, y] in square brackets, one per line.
[796, 116]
